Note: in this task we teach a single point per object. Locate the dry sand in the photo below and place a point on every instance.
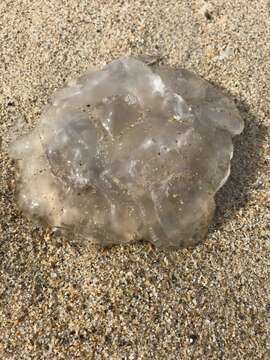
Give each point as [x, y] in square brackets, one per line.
[61, 299]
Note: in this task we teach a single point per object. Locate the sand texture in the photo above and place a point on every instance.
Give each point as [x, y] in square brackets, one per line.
[61, 298]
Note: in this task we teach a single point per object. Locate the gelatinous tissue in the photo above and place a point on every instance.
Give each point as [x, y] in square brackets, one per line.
[132, 151]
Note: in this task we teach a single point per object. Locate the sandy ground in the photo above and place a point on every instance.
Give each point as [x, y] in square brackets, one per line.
[61, 299]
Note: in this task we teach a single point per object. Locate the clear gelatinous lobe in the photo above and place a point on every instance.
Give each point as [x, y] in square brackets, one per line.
[129, 152]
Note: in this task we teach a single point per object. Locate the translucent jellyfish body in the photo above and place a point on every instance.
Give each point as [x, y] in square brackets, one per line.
[129, 152]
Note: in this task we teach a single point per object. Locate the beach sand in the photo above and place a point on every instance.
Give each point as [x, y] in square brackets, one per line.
[64, 299]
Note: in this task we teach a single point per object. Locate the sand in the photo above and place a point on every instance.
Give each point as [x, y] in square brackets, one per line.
[64, 299]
